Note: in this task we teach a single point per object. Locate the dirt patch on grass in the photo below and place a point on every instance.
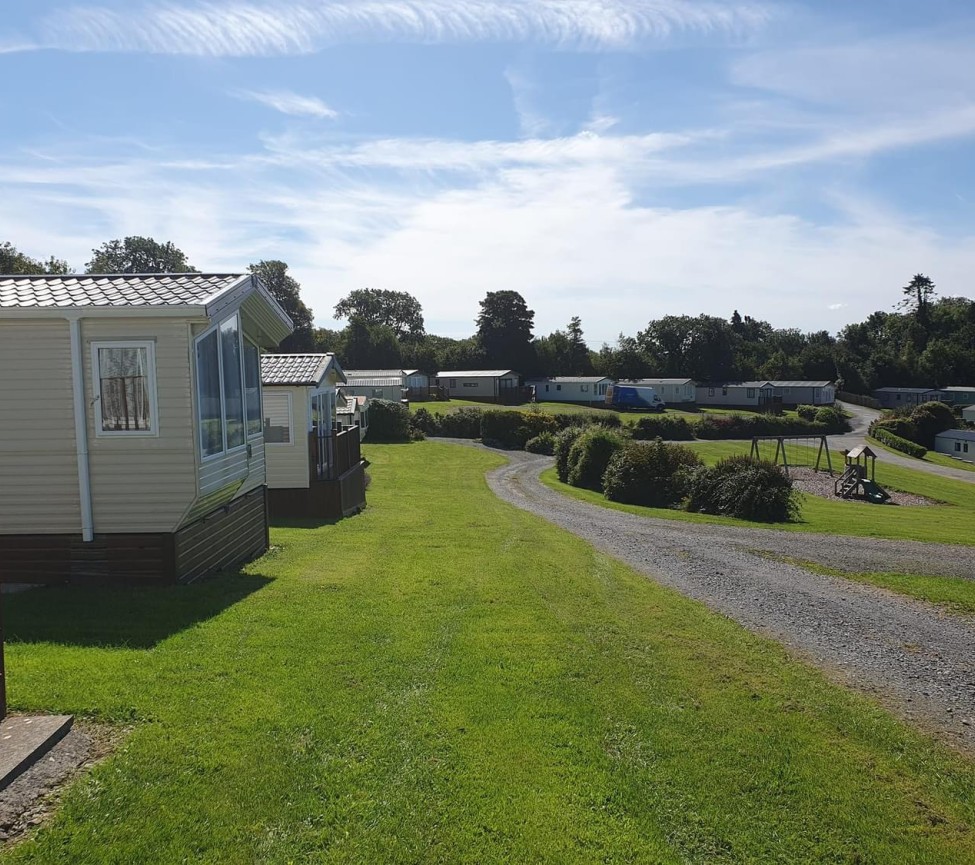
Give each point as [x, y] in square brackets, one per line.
[821, 484]
[31, 798]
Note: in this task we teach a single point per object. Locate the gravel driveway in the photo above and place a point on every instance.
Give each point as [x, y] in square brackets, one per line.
[917, 659]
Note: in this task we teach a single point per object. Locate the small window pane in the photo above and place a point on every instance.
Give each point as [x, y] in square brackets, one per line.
[232, 383]
[252, 383]
[124, 389]
[208, 385]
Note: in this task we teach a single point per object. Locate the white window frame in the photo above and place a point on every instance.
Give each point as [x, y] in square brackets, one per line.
[260, 386]
[243, 379]
[291, 424]
[96, 388]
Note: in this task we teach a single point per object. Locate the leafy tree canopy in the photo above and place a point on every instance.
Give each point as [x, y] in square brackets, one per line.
[138, 255]
[13, 261]
[287, 292]
[504, 330]
[376, 306]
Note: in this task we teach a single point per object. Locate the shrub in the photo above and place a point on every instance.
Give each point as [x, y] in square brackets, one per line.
[543, 443]
[806, 412]
[511, 429]
[564, 440]
[589, 455]
[931, 418]
[744, 426]
[653, 474]
[424, 421]
[746, 488]
[666, 426]
[462, 424]
[885, 436]
[388, 421]
[899, 426]
[831, 417]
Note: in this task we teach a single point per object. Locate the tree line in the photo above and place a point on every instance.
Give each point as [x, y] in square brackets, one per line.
[922, 341]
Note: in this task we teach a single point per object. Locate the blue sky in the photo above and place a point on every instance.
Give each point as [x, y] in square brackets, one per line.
[613, 159]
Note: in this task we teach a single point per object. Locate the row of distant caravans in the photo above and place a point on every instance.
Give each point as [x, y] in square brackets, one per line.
[508, 387]
[906, 397]
[146, 435]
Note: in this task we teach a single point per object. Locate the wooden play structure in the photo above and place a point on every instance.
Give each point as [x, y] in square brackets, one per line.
[798, 457]
[859, 478]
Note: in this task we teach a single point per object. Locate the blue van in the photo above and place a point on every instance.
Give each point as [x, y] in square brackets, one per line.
[627, 398]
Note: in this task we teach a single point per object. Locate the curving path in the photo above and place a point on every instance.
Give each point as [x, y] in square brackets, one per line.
[917, 659]
[860, 420]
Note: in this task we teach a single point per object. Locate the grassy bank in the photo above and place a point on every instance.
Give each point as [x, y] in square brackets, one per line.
[932, 457]
[445, 678]
[951, 522]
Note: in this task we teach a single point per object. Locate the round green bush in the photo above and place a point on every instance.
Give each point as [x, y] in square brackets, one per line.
[665, 426]
[931, 418]
[589, 455]
[564, 439]
[653, 474]
[464, 423]
[743, 487]
[388, 421]
[543, 443]
[806, 412]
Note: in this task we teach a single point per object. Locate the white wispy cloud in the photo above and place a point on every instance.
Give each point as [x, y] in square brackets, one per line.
[290, 103]
[241, 29]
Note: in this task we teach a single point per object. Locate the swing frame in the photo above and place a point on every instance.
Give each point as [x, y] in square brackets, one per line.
[780, 449]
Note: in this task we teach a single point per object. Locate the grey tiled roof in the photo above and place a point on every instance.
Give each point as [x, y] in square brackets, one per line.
[572, 379]
[475, 373]
[294, 369]
[373, 373]
[112, 290]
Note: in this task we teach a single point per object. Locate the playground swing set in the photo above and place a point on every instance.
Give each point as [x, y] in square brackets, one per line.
[859, 475]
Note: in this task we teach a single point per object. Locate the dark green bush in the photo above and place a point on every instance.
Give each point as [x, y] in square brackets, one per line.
[653, 474]
[464, 423]
[669, 427]
[424, 421]
[564, 439]
[806, 412]
[746, 488]
[899, 426]
[931, 418]
[885, 436]
[511, 429]
[590, 454]
[543, 443]
[831, 417]
[744, 426]
[388, 421]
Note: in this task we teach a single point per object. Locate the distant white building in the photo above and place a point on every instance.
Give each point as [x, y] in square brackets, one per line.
[760, 394]
[672, 391]
[579, 389]
[956, 443]
[376, 383]
[969, 413]
[484, 385]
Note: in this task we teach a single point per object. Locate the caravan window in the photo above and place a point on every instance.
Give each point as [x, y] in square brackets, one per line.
[225, 380]
[277, 418]
[124, 386]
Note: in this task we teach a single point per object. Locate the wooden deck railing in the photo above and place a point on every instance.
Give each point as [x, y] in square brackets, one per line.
[331, 456]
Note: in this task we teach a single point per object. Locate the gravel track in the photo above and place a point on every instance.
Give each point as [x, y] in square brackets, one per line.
[916, 658]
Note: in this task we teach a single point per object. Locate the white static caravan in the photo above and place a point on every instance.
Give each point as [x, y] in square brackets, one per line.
[314, 469]
[387, 384]
[793, 393]
[968, 413]
[673, 391]
[131, 439]
[483, 385]
[749, 394]
[575, 389]
[958, 443]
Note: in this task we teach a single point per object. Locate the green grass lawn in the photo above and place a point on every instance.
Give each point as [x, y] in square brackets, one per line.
[447, 679]
[441, 408]
[930, 457]
[954, 593]
[952, 522]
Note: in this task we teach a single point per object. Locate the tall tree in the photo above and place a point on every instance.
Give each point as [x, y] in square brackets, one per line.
[370, 346]
[376, 306]
[504, 330]
[138, 255]
[578, 361]
[13, 261]
[917, 296]
[287, 292]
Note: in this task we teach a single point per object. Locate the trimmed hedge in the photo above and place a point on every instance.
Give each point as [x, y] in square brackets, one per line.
[899, 426]
[543, 443]
[743, 487]
[388, 421]
[564, 439]
[806, 412]
[932, 418]
[653, 474]
[665, 426]
[744, 426]
[511, 429]
[590, 455]
[885, 436]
